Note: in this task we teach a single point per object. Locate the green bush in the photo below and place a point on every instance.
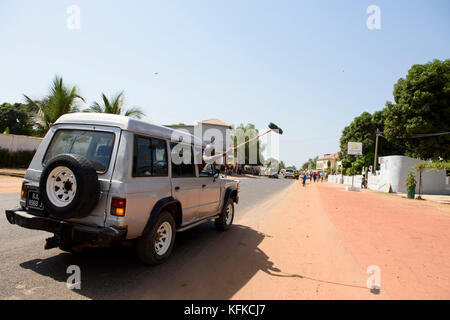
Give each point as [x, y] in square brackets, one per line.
[411, 180]
[15, 159]
[350, 171]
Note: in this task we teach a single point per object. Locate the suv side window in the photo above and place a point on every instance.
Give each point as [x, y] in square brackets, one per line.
[180, 152]
[206, 170]
[150, 157]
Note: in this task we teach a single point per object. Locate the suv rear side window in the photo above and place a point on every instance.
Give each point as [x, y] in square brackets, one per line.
[150, 157]
[96, 146]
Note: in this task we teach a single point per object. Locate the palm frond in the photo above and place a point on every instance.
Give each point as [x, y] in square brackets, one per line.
[95, 107]
[135, 112]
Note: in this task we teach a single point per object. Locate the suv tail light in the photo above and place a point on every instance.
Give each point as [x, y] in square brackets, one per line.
[23, 192]
[118, 207]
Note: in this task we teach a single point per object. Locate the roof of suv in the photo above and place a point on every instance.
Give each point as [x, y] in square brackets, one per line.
[128, 124]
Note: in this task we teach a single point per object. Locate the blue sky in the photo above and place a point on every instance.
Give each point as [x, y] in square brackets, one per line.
[309, 66]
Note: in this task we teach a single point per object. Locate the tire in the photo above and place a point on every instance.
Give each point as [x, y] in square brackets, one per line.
[224, 221]
[146, 245]
[69, 187]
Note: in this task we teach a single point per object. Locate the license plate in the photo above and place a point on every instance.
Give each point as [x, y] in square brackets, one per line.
[34, 201]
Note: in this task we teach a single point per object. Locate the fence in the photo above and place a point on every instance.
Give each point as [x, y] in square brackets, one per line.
[17, 151]
[13, 143]
[346, 180]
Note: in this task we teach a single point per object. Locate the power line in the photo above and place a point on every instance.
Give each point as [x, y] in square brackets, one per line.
[425, 135]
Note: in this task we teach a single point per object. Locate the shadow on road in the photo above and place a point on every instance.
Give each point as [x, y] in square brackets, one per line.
[205, 264]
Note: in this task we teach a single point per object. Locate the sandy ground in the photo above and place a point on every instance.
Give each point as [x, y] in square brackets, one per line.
[305, 257]
[321, 240]
[408, 239]
[10, 184]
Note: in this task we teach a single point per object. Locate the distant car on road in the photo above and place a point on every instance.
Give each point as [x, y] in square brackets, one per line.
[289, 174]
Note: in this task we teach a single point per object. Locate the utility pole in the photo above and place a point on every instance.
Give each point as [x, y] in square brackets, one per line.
[376, 151]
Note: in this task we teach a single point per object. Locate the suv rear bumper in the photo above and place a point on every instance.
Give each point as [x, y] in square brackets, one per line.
[74, 232]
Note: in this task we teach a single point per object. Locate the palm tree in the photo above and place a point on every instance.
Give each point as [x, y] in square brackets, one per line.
[115, 106]
[59, 101]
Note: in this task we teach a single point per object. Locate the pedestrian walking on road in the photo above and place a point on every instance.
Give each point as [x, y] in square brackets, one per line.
[304, 179]
[363, 182]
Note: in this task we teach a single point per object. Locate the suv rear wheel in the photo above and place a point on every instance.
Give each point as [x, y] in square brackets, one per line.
[156, 244]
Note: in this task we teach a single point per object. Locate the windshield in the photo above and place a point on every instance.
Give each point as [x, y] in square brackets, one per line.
[96, 146]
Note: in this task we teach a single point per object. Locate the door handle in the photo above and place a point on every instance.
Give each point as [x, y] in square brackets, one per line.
[177, 188]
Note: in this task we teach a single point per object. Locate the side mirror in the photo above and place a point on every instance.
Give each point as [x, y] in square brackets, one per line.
[216, 173]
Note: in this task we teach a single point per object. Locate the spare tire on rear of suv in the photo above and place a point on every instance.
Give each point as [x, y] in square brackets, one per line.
[69, 186]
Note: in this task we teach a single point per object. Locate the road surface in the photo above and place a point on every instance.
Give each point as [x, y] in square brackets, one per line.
[27, 271]
[287, 242]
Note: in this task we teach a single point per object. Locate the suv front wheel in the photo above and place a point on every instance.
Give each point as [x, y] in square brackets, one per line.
[156, 244]
[225, 220]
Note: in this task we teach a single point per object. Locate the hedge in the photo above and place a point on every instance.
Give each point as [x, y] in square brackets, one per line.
[443, 165]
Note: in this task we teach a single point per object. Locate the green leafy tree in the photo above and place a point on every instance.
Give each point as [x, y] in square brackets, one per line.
[245, 133]
[15, 119]
[422, 106]
[282, 165]
[115, 106]
[310, 163]
[59, 101]
[363, 129]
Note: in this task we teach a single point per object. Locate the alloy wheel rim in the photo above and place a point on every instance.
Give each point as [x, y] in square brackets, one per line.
[163, 238]
[229, 214]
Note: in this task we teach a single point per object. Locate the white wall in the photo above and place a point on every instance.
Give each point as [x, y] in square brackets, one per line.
[394, 171]
[14, 142]
[346, 180]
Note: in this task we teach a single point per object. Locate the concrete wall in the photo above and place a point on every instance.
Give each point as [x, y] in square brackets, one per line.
[14, 142]
[335, 179]
[346, 180]
[394, 171]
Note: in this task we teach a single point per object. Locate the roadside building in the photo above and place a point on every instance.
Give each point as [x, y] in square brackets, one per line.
[327, 161]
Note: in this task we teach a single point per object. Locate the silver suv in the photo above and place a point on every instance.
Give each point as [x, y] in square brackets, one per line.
[100, 180]
[289, 174]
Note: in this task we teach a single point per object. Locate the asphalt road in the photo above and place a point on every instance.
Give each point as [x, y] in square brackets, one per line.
[27, 271]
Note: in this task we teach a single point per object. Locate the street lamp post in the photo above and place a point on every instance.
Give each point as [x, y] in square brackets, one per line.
[378, 133]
